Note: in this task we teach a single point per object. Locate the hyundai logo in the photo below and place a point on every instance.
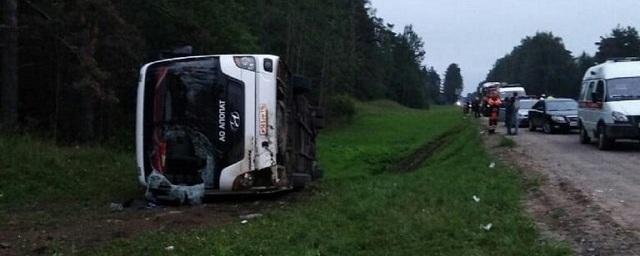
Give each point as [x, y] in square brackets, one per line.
[235, 120]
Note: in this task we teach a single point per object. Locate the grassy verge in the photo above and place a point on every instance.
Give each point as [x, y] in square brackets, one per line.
[506, 142]
[362, 209]
[34, 172]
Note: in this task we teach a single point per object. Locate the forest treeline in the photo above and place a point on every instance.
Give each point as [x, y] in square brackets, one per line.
[543, 65]
[79, 59]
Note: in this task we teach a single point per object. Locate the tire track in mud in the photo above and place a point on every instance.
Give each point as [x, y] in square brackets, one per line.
[421, 155]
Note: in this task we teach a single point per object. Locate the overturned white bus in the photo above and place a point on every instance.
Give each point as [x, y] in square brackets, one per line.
[223, 124]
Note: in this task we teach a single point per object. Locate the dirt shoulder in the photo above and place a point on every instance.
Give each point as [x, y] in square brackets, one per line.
[68, 229]
[559, 203]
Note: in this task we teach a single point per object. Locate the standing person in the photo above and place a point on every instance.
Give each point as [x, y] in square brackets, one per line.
[516, 109]
[511, 114]
[493, 103]
[508, 114]
[475, 105]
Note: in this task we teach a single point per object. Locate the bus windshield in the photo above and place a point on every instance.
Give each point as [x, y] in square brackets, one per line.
[623, 89]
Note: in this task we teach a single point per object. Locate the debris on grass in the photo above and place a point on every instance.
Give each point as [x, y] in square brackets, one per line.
[183, 194]
[492, 165]
[251, 216]
[244, 221]
[114, 221]
[476, 198]
[167, 213]
[487, 227]
[116, 207]
[170, 248]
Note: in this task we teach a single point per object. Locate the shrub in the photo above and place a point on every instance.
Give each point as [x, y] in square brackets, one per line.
[341, 107]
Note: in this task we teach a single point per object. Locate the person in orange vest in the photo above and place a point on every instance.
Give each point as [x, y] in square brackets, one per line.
[494, 103]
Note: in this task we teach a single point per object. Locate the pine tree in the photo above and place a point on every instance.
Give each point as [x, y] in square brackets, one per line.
[453, 83]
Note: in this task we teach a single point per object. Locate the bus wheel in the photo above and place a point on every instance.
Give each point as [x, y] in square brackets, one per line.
[584, 136]
[604, 142]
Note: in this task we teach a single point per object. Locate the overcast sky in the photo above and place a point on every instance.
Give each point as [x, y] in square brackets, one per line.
[474, 33]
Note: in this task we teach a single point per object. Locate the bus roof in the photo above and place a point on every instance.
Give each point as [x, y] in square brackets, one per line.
[613, 69]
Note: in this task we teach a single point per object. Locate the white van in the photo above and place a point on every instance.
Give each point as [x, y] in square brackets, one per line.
[508, 91]
[610, 102]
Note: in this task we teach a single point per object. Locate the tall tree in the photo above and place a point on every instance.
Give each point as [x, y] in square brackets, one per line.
[453, 83]
[622, 42]
[88, 68]
[542, 64]
[434, 84]
[584, 62]
[406, 84]
[9, 101]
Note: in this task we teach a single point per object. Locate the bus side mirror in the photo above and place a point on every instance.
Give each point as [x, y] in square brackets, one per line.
[300, 84]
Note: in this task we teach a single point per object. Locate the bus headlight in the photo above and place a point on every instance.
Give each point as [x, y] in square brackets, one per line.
[619, 117]
[245, 62]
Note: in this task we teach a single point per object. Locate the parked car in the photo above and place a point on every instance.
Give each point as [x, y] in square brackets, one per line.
[523, 112]
[610, 102]
[554, 115]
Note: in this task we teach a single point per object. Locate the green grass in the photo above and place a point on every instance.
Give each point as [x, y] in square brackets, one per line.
[36, 172]
[506, 142]
[362, 209]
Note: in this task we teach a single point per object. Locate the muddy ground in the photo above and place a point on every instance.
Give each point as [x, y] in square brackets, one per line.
[68, 229]
[585, 197]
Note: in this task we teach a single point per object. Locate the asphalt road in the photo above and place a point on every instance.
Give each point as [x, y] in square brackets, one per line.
[610, 178]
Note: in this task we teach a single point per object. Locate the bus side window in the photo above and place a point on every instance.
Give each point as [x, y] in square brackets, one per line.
[600, 90]
[583, 91]
[591, 89]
